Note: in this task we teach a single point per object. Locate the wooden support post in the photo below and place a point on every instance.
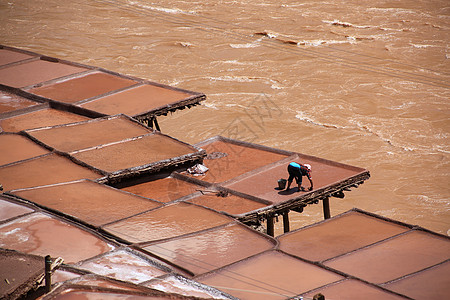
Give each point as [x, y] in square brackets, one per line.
[156, 124]
[270, 225]
[286, 225]
[48, 274]
[326, 208]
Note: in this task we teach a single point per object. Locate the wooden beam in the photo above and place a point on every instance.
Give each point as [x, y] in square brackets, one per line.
[48, 274]
[270, 225]
[286, 225]
[326, 208]
[156, 124]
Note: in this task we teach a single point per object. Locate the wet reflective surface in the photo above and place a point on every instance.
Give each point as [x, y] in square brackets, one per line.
[436, 277]
[344, 234]
[353, 289]
[213, 249]
[90, 202]
[394, 258]
[42, 235]
[271, 275]
[166, 222]
[10, 210]
[10, 102]
[122, 265]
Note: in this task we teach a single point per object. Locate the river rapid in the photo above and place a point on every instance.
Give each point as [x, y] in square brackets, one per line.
[359, 82]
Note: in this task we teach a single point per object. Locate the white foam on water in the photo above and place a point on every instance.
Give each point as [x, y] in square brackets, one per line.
[336, 22]
[315, 43]
[246, 45]
[421, 46]
[302, 116]
[231, 78]
[163, 9]
[210, 105]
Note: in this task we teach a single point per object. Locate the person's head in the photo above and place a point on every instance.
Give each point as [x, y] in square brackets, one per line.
[308, 166]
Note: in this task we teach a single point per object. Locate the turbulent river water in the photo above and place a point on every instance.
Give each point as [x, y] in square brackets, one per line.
[359, 82]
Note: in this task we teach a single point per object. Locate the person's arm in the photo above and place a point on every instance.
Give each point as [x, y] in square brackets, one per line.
[310, 182]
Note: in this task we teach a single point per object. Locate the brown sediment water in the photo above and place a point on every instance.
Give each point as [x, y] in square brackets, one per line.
[40, 118]
[10, 210]
[264, 184]
[34, 72]
[88, 201]
[230, 204]
[124, 266]
[164, 190]
[210, 250]
[138, 152]
[270, 275]
[395, 257]
[234, 160]
[84, 87]
[169, 221]
[136, 100]
[10, 102]
[8, 56]
[16, 147]
[338, 236]
[89, 134]
[436, 278]
[353, 289]
[48, 169]
[43, 235]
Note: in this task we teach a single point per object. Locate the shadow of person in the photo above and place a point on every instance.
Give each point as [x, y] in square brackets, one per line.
[288, 192]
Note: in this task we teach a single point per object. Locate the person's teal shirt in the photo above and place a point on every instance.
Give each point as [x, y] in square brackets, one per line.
[296, 165]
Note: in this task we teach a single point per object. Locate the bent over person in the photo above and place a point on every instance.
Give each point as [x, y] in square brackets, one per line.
[297, 171]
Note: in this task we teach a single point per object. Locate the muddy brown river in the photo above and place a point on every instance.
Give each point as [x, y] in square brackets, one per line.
[360, 82]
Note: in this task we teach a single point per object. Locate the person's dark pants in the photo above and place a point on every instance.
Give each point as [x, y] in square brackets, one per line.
[294, 173]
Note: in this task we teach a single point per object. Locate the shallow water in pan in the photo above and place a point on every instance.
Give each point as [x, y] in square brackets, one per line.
[364, 83]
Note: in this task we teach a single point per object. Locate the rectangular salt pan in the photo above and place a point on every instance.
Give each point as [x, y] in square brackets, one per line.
[88, 201]
[68, 138]
[84, 87]
[34, 72]
[137, 100]
[44, 170]
[341, 234]
[396, 257]
[227, 160]
[41, 118]
[212, 249]
[16, 147]
[166, 222]
[43, 235]
[141, 151]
